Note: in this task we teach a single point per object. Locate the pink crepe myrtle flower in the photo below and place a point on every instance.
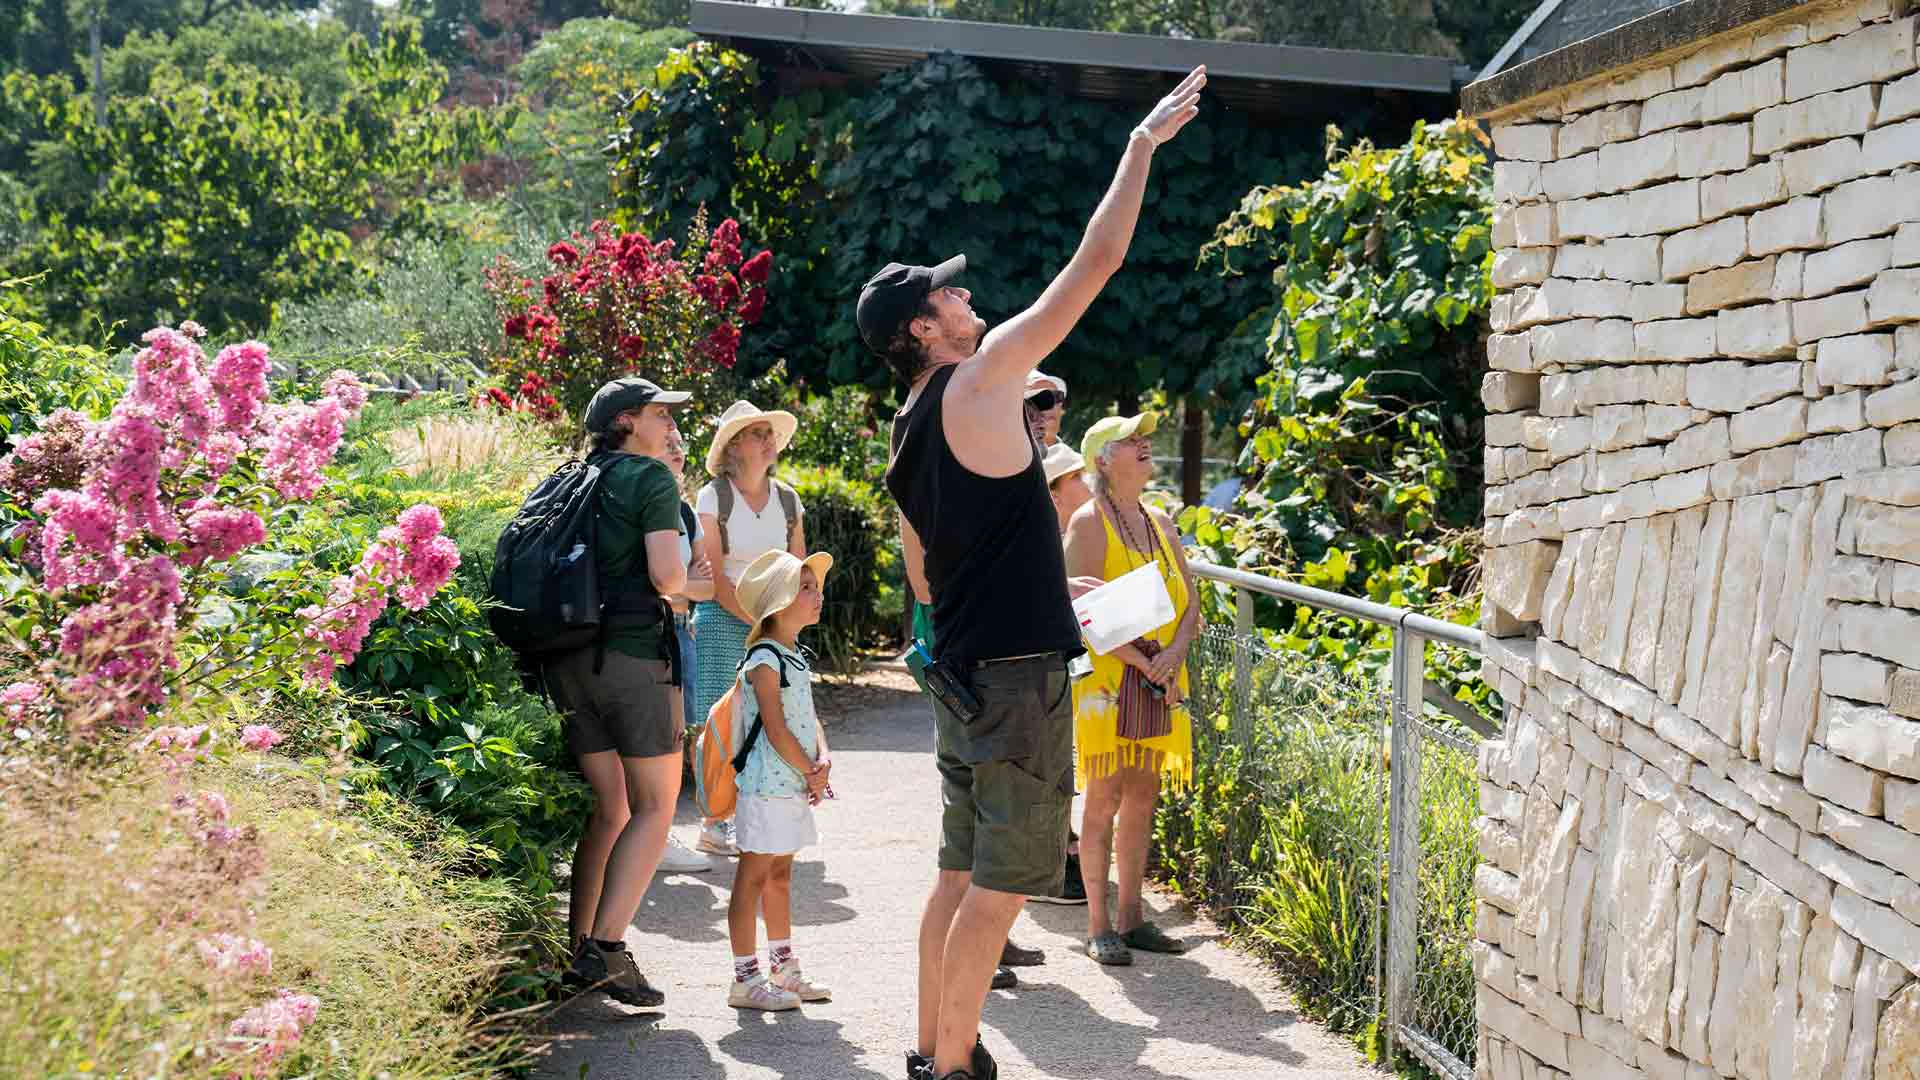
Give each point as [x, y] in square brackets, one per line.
[239, 382]
[234, 954]
[267, 1031]
[124, 642]
[220, 532]
[52, 457]
[77, 546]
[260, 737]
[176, 745]
[346, 388]
[18, 698]
[129, 451]
[303, 442]
[409, 559]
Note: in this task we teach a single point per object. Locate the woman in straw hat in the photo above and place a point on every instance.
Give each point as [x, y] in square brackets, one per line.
[1130, 725]
[786, 774]
[744, 513]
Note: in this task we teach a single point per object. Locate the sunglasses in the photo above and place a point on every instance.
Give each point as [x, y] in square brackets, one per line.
[1047, 399]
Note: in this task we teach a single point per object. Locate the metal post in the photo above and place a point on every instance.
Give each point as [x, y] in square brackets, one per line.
[1243, 634]
[1403, 874]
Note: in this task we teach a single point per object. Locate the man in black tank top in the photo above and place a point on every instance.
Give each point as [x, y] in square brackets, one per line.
[982, 546]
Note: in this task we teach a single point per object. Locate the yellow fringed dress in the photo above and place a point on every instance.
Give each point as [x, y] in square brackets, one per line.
[1096, 698]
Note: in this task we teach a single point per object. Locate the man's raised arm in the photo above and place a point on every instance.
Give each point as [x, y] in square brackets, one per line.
[1016, 347]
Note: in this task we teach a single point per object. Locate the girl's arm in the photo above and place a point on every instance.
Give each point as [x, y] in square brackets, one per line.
[773, 719]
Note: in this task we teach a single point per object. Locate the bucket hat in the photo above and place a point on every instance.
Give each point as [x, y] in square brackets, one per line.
[770, 583]
[739, 416]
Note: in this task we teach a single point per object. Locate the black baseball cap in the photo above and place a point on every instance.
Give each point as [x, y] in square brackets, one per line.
[891, 297]
[631, 392]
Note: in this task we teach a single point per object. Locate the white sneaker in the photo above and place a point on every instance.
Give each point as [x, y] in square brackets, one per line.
[758, 993]
[717, 838]
[679, 859]
[789, 977]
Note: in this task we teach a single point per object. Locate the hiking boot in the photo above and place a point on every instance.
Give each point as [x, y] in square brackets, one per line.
[613, 971]
[760, 993]
[920, 1067]
[1073, 889]
[790, 978]
[1012, 955]
[717, 838]
[680, 859]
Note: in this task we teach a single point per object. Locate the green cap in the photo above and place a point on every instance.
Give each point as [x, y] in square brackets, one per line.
[621, 395]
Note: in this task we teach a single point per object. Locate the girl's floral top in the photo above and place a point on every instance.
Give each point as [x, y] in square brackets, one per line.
[767, 774]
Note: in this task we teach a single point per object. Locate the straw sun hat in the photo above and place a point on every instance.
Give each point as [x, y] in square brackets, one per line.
[741, 415]
[770, 583]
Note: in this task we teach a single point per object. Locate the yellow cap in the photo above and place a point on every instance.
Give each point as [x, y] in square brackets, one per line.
[1113, 429]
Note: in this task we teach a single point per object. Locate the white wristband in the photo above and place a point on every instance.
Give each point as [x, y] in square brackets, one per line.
[1142, 131]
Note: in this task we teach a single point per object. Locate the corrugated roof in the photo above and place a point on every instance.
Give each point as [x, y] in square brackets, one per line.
[1268, 79]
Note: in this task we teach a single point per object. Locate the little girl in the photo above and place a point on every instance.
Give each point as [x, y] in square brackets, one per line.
[785, 776]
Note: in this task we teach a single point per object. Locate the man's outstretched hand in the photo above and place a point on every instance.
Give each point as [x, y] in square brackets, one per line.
[1173, 111]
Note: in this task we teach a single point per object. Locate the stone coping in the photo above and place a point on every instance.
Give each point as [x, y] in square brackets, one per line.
[1667, 30]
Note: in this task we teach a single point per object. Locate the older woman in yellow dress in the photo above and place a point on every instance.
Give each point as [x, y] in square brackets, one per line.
[1130, 718]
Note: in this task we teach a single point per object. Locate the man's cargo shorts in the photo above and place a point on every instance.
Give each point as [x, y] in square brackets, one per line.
[1007, 778]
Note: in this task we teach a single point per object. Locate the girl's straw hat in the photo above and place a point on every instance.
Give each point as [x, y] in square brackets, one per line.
[739, 416]
[770, 583]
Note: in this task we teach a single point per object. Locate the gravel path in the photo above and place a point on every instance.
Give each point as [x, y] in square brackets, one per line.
[1211, 1013]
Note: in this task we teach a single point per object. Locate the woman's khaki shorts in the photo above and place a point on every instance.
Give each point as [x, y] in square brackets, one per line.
[630, 706]
[1007, 778]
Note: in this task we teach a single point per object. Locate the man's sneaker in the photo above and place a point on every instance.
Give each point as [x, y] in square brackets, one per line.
[789, 977]
[1073, 889]
[984, 1067]
[679, 859]
[1004, 979]
[760, 993]
[613, 971]
[716, 838]
[1012, 955]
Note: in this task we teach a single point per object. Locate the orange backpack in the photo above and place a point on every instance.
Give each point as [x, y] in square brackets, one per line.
[721, 750]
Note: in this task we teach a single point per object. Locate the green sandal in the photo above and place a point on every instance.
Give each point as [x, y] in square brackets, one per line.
[1109, 949]
[1149, 938]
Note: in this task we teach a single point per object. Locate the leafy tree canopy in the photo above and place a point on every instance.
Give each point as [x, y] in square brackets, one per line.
[311, 52]
[596, 62]
[224, 197]
[49, 36]
[937, 159]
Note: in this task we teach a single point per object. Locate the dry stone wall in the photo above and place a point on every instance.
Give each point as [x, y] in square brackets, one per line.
[1701, 828]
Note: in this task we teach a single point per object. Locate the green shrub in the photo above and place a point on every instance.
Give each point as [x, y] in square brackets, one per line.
[843, 429]
[39, 375]
[852, 521]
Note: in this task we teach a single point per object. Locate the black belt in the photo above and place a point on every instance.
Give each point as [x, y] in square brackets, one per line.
[1025, 658]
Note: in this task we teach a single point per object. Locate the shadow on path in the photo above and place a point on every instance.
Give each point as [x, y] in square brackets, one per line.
[1211, 1014]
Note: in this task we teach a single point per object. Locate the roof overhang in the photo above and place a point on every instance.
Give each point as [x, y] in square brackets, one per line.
[1268, 79]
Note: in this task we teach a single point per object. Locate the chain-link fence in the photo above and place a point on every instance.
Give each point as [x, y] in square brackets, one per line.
[1337, 838]
[1284, 832]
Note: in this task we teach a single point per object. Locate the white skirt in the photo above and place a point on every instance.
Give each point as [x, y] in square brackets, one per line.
[770, 826]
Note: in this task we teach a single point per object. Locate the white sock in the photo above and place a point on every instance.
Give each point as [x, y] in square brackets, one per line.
[780, 952]
[745, 968]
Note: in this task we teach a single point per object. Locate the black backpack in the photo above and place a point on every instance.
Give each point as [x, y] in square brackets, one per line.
[546, 584]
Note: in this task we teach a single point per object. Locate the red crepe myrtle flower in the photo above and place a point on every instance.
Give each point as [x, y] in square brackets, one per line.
[755, 269]
[563, 254]
[632, 348]
[515, 326]
[754, 306]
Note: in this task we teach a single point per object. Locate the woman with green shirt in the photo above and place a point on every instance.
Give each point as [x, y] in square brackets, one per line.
[621, 700]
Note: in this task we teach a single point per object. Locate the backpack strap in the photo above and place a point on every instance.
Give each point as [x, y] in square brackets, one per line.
[688, 522]
[723, 507]
[753, 733]
[789, 506]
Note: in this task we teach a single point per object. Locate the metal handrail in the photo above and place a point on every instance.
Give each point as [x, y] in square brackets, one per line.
[1426, 626]
[1410, 690]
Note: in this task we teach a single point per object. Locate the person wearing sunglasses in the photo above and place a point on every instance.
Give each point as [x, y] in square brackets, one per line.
[1046, 406]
